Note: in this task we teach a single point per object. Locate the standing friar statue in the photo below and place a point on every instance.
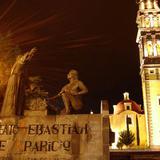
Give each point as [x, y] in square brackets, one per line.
[14, 96]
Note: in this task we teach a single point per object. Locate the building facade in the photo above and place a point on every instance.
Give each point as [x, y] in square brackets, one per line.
[148, 38]
[128, 115]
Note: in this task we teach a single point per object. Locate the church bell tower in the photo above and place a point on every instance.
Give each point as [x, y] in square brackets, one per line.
[148, 38]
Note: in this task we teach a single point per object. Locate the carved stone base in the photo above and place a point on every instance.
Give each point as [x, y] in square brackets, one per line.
[35, 113]
[61, 137]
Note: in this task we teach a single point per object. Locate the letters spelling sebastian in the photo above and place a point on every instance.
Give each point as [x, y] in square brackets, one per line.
[55, 145]
[39, 129]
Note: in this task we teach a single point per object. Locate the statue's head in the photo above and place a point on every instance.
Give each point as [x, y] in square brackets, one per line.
[72, 74]
[19, 57]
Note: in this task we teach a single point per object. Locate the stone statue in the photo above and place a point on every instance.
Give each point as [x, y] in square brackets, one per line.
[14, 96]
[35, 96]
[72, 94]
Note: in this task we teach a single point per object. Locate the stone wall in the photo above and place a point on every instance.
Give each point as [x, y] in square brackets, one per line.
[67, 137]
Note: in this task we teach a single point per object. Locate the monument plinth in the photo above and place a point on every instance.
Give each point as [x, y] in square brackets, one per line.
[65, 137]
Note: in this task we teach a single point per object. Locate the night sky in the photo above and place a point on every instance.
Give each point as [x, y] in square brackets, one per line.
[96, 37]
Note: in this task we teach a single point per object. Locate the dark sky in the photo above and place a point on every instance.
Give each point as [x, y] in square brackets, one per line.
[96, 37]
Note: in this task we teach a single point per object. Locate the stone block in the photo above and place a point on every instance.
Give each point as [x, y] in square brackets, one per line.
[65, 137]
[35, 113]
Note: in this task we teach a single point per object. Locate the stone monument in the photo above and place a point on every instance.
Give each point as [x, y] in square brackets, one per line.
[38, 136]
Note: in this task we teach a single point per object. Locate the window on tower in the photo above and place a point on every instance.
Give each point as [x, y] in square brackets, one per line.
[152, 74]
[157, 47]
[155, 19]
[158, 100]
[149, 48]
[151, 20]
[152, 71]
[147, 22]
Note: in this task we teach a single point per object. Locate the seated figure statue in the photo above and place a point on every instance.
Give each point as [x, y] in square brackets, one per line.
[72, 94]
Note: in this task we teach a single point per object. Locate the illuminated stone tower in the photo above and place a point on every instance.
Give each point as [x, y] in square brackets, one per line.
[148, 37]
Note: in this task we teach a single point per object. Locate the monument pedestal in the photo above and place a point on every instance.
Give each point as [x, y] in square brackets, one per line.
[39, 136]
[62, 137]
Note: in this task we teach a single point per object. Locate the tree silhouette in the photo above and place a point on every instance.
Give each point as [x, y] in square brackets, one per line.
[126, 137]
